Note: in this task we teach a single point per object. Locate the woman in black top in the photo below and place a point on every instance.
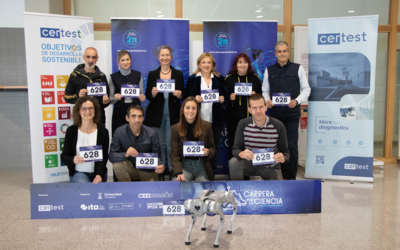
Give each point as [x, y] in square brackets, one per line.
[124, 76]
[237, 107]
[86, 131]
[163, 109]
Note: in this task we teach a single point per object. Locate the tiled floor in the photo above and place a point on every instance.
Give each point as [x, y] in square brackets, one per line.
[354, 216]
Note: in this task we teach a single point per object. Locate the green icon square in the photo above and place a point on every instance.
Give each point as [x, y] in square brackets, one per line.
[51, 161]
[62, 144]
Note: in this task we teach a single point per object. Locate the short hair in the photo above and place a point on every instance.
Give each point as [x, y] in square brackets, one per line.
[234, 69]
[78, 104]
[164, 47]
[280, 43]
[201, 57]
[256, 97]
[97, 53]
[134, 106]
[123, 53]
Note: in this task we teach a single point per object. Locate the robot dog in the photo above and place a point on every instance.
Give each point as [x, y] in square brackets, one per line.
[210, 201]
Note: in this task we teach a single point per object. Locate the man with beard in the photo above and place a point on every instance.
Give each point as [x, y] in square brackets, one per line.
[83, 74]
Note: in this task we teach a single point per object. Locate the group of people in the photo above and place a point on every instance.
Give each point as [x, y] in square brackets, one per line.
[181, 116]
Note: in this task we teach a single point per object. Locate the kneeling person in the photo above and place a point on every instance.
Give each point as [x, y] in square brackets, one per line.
[128, 141]
[258, 132]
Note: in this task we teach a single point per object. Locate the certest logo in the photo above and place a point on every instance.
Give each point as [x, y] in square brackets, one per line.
[58, 33]
[337, 38]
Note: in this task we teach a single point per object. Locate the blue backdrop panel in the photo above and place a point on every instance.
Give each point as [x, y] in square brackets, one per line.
[225, 40]
[86, 200]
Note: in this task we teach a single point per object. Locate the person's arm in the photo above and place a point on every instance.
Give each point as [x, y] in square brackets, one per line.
[257, 84]
[67, 155]
[112, 91]
[101, 168]
[176, 151]
[108, 94]
[265, 86]
[117, 152]
[222, 90]
[189, 87]
[181, 85]
[210, 141]
[70, 95]
[304, 86]
[150, 79]
[238, 145]
[155, 147]
[141, 84]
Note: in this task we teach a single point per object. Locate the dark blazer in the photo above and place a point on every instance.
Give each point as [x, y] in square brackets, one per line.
[193, 88]
[177, 149]
[69, 150]
[155, 110]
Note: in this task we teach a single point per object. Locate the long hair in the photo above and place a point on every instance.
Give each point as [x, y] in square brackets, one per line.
[201, 57]
[234, 69]
[78, 104]
[198, 122]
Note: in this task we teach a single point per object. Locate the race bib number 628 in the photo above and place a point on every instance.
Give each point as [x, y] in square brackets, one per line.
[91, 153]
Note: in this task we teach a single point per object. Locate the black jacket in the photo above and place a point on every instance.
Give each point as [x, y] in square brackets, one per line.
[155, 110]
[79, 79]
[69, 150]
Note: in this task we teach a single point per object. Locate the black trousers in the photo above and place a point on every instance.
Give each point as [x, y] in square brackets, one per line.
[231, 125]
[289, 170]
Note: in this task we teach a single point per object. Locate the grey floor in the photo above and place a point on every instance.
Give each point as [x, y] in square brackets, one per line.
[354, 216]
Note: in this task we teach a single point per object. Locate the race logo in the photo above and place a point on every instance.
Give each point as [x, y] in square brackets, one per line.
[62, 81]
[49, 114]
[222, 40]
[48, 97]
[49, 129]
[64, 128]
[64, 113]
[132, 38]
[50, 145]
[238, 199]
[47, 81]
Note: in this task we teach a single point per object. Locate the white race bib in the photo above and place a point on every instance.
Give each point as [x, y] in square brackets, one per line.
[147, 160]
[174, 208]
[130, 90]
[91, 153]
[263, 156]
[243, 88]
[164, 85]
[97, 89]
[281, 99]
[210, 95]
[193, 148]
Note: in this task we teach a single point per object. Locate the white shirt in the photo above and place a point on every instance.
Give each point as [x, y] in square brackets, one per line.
[85, 140]
[304, 86]
[206, 108]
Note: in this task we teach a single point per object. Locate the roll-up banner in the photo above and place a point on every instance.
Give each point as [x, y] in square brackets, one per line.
[54, 46]
[342, 66]
[225, 40]
[142, 37]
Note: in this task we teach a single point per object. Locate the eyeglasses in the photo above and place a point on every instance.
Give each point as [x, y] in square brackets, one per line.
[85, 109]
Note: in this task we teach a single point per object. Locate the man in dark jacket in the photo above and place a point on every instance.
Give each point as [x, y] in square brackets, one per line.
[281, 89]
[128, 141]
[84, 74]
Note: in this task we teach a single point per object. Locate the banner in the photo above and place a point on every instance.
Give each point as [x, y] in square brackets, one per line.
[142, 38]
[342, 66]
[54, 46]
[225, 40]
[139, 199]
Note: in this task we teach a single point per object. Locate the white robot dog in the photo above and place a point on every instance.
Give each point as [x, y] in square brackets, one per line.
[210, 201]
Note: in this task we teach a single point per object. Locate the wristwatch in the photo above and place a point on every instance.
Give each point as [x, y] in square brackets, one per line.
[286, 159]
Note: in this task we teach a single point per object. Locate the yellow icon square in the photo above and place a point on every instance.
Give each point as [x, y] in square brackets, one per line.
[62, 81]
[49, 113]
[50, 145]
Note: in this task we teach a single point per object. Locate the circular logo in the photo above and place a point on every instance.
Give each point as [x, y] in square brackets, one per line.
[222, 40]
[132, 38]
[334, 142]
[84, 207]
[74, 47]
[361, 142]
[64, 127]
[319, 141]
[348, 142]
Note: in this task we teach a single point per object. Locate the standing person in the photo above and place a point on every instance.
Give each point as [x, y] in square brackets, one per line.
[290, 78]
[191, 128]
[86, 131]
[258, 132]
[237, 107]
[163, 109]
[125, 75]
[206, 77]
[83, 74]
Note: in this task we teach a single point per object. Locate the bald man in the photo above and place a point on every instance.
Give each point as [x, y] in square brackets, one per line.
[83, 74]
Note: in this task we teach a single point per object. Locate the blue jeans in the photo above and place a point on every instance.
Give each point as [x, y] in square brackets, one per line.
[193, 170]
[83, 177]
[164, 134]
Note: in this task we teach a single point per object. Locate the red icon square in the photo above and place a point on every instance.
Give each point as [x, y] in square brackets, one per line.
[48, 97]
[47, 81]
[60, 97]
[64, 113]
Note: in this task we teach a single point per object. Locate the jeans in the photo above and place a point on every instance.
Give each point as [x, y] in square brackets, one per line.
[164, 134]
[193, 170]
[238, 168]
[125, 171]
[83, 177]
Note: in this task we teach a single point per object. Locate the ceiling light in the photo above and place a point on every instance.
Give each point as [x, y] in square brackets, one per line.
[259, 16]
[258, 10]
[160, 16]
[158, 12]
[351, 11]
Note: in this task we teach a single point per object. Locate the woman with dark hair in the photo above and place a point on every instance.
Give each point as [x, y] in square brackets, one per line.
[125, 75]
[86, 132]
[163, 109]
[237, 109]
[191, 128]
